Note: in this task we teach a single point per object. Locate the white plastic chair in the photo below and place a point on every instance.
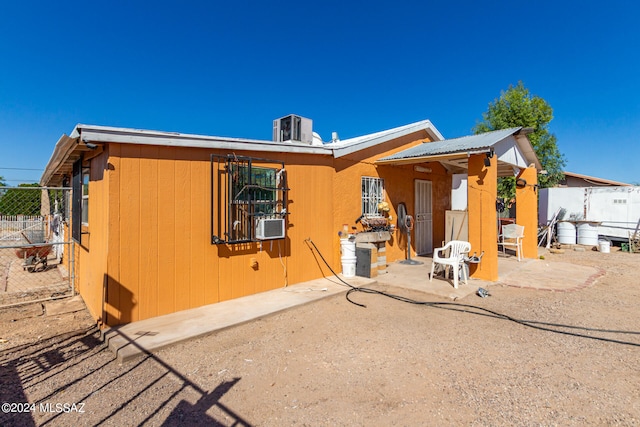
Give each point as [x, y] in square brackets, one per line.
[514, 234]
[458, 249]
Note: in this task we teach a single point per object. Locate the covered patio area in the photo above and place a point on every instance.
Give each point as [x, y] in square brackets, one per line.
[480, 160]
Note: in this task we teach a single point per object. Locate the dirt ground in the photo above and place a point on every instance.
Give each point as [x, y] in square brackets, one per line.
[518, 357]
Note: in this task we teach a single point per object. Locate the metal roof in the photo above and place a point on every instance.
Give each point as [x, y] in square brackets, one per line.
[348, 146]
[471, 143]
[70, 148]
[512, 146]
[595, 180]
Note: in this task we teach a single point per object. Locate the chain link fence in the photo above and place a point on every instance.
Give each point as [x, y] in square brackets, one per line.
[36, 251]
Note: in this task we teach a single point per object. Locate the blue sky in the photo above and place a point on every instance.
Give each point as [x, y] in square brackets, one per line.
[353, 67]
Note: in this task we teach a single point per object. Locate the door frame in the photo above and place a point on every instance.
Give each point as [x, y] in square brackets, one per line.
[423, 237]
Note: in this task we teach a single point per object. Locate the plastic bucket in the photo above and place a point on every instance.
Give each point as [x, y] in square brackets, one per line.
[588, 234]
[566, 233]
[604, 246]
[348, 259]
[348, 267]
[348, 247]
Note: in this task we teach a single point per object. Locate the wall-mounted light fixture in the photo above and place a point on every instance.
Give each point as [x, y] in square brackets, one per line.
[487, 160]
[422, 169]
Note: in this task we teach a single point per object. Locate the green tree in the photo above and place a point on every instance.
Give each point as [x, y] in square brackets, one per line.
[19, 201]
[2, 183]
[517, 107]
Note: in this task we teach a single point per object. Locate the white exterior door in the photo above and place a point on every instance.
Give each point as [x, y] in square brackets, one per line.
[423, 228]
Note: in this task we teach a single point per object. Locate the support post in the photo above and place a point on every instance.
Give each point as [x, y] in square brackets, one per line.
[482, 190]
[527, 210]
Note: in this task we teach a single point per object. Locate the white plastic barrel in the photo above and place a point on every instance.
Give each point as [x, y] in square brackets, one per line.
[566, 233]
[348, 259]
[587, 234]
[604, 246]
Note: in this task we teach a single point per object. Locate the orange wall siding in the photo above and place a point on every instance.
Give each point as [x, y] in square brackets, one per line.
[149, 231]
[310, 179]
[90, 255]
[160, 256]
[154, 207]
[167, 187]
[399, 188]
[113, 291]
[130, 210]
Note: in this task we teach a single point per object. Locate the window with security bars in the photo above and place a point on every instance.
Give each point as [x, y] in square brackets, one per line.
[372, 195]
[249, 201]
[253, 196]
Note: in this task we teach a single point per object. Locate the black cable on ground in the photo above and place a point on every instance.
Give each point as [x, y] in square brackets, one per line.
[472, 309]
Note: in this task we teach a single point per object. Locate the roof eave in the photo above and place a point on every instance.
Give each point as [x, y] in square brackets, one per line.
[99, 134]
[62, 153]
[596, 179]
[69, 148]
[353, 145]
[527, 149]
[433, 157]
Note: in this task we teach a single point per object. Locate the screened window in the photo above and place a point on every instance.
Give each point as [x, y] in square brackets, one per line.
[78, 213]
[372, 194]
[85, 196]
[254, 185]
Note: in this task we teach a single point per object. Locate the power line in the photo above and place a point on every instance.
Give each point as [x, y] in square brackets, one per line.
[21, 169]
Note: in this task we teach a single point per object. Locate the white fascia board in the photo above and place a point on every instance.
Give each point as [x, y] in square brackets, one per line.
[352, 145]
[64, 147]
[99, 134]
[527, 150]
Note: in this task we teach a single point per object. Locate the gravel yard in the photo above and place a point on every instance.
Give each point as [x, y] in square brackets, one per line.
[575, 361]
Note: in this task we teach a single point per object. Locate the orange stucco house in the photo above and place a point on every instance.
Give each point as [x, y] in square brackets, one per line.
[166, 221]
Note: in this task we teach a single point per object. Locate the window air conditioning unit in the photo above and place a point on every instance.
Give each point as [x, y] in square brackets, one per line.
[293, 128]
[270, 228]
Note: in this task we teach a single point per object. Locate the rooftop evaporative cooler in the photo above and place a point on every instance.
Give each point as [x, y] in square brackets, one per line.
[293, 128]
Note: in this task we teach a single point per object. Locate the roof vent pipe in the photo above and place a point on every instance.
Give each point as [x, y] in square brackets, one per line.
[334, 137]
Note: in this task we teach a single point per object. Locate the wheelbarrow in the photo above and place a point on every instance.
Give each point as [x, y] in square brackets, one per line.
[35, 257]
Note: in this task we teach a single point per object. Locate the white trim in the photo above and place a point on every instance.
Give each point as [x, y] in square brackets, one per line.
[92, 134]
[83, 134]
[352, 145]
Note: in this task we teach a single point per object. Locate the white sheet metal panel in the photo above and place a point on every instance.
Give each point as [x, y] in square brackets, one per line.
[459, 192]
[616, 208]
[551, 199]
[508, 151]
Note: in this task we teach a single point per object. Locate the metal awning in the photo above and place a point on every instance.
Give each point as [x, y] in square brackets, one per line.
[512, 146]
